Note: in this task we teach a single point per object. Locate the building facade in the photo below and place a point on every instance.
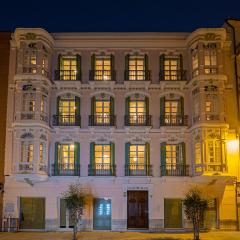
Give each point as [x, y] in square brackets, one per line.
[136, 118]
[4, 66]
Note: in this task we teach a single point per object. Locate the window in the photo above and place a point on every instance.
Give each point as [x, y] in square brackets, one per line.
[171, 154]
[66, 156]
[210, 58]
[208, 106]
[45, 64]
[171, 111]
[68, 68]
[198, 156]
[195, 62]
[26, 161]
[103, 67]
[44, 104]
[30, 59]
[136, 68]
[137, 156]
[42, 152]
[102, 154]
[214, 152]
[28, 105]
[137, 111]
[171, 67]
[102, 111]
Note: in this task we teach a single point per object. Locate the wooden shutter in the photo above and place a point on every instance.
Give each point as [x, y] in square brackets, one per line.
[127, 67]
[127, 102]
[78, 57]
[93, 105]
[161, 63]
[56, 162]
[112, 148]
[162, 110]
[147, 158]
[163, 158]
[147, 105]
[77, 158]
[92, 156]
[146, 73]
[57, 110]
[93, 58]
[59, 62]
[127, 158]
[112, 67]
[112, 110]
[77, 110]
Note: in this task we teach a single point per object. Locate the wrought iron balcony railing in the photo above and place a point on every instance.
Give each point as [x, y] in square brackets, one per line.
[66, 169]
[66, 120]
[28, 115]
[138, 120]
[174, 170]
[67, 75]
[25, 166]
[101, 169]
[138, 170]
[212, 117]
[102, 75]
[30, 69]
[173, 120]
[211, 167]
[137, 75]
[173, 75]
[102, 120]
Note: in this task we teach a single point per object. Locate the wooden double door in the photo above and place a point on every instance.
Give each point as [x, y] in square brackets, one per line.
[137, 209]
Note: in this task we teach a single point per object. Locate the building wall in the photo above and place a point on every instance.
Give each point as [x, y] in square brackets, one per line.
[220, 126]
[4, 67]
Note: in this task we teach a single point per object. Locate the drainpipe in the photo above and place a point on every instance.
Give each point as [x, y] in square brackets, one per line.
[238, 112]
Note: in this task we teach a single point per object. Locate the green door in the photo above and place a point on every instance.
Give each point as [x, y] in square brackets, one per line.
[172, 213]
[32, 213]
[102, 214]
[66, 219]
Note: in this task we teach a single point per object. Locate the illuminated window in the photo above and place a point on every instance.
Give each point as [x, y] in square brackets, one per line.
[171, 111]
[171, 68]
[68, 68]
[30, 59]
[102, 68]
[210, 58]
[171, 154]
[137, 111]
[137, 156]
[44, 104]
[195, 62]
[214, 152]
[66, 155]
[26, 152]
[136, 68]
[208, 106]
[102, 111]
[102, 154]
[29, 102]
[198, 156]
[42, 152]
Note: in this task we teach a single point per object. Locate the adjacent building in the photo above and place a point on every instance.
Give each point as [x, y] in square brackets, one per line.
[136, 118]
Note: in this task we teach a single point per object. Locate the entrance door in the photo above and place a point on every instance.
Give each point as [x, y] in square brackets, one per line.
[210, 215]
[172, 213]
[102, 214]
[32, 213]
[137, 209]
[66, 220]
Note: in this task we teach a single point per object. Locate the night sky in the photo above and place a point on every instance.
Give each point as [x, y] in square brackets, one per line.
[116, 15]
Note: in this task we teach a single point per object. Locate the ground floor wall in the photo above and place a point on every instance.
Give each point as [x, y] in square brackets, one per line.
[114, 190]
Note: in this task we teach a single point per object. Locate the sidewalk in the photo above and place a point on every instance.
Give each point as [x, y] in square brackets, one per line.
[117, 235]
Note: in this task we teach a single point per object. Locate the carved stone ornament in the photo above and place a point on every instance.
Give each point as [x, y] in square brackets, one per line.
[210, 36]
[31, 36]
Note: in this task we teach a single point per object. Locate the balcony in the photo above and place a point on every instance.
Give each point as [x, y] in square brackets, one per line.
[137, 75]
[174, 170]
[173, 120]
[66, 120]
[173, 75]
[66, 169]
[211, 70]
[67, 75]
[138, 170]
[102, 120]
[25, 167]
[212, 117]
[27, 115]
[138, 120]
[102, 75]
[211, 167]
[101, 169]
[29, 70]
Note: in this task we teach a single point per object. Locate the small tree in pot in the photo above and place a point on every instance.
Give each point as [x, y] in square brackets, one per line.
[76, 199]
[195, 205]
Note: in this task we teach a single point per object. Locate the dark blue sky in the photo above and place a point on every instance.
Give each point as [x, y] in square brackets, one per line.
[114, 15]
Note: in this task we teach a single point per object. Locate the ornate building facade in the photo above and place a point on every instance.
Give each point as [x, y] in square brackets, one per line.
[136, 118]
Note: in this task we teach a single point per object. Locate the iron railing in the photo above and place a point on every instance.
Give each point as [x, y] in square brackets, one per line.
[66, 120]
[101, 169]
[173, 120]
[138, 120]
[102, 75]
[102, 120]
[211, 167]
[65, 169]
[173, 75]
[138, 170]
[137, 75]
[174, 170]
[67, 75]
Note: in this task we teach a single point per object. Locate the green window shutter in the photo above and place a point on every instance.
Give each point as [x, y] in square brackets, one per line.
[77, 104]
[161, 63]
[147, 105]
[183, 149]
[112, 67]
[162, 110]
[78, 57]
[93, 58]
[127, 102]
[112, 110]
[127, 67]
[59, 62]
[147, 156]
[57, 110]
[145, 62]
[93, 105]
[181, 106]
[77, 158]
[127, 158]
[163, 158]
[92, 153]
[112, 148]
[56, 162]
[180, 67]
